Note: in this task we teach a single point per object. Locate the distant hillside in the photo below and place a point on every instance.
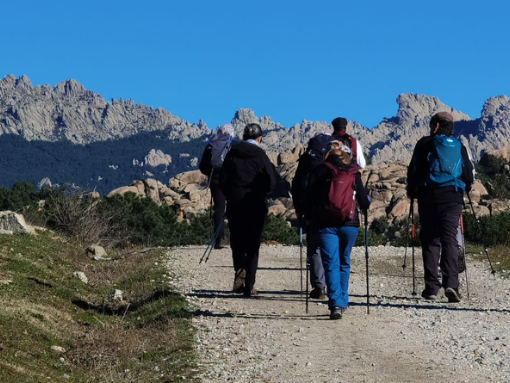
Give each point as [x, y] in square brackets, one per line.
[72, 135]
[102, 166]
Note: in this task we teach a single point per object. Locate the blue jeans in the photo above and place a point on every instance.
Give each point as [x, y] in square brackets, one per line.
[336, 245]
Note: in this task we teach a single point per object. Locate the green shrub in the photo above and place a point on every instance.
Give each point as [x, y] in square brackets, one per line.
[374, 239]
[489, 231]
[276, 229]
[492, 174]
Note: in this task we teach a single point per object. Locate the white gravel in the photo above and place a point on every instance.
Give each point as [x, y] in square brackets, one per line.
[270, 338]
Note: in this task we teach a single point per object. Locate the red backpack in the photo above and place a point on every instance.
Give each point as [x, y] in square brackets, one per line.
[340, 206]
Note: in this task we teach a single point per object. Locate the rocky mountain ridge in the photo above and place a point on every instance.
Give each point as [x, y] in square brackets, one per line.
[69, 112]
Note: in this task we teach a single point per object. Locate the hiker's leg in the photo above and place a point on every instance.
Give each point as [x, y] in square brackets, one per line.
[347, 236]
[329, 248]
[235, 224]
[218, 210]
[252, 238]
[449, 221]
[313, 254]
[431, 247]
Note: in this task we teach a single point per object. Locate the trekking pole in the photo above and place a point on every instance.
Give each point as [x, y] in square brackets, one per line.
[407, 235]
[412, 245]
[480, 231]
[366, 259]
[210, 246]
[307, 297]
[301, 257]
[464, 251]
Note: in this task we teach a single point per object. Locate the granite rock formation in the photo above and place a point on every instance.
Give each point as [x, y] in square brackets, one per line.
[70, 112]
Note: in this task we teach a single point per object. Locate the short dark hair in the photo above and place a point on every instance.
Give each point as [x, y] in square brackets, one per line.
[252, 131]
[445, 125]
[339, 124]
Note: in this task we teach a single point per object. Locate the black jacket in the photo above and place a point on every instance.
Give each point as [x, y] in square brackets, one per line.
[318, 189]
[419, 168]
[205, 165]
[247, 176]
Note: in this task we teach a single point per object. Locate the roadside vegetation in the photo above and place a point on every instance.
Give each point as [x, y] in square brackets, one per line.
[57, 328]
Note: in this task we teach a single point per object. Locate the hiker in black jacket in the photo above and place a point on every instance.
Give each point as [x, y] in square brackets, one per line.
[439, 173]
[206, 167]
[246, 177]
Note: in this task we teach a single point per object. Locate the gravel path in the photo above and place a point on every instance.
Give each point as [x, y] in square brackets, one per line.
[270, 338]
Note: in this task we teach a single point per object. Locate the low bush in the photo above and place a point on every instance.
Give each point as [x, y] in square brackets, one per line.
[489, 230]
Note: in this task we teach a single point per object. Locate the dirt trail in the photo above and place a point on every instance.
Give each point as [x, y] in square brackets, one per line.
[270, 338]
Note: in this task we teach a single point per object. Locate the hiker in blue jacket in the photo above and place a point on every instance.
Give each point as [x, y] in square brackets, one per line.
[333, 190]
[439, 173]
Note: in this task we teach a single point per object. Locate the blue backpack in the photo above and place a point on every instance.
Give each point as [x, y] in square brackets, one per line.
[445, 164]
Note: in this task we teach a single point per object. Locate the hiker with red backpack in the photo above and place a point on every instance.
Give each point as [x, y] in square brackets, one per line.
[210, 164]
[314, 155]
[334, 191]
[439, 173]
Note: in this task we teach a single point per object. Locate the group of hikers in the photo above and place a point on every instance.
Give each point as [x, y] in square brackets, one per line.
[329, 197]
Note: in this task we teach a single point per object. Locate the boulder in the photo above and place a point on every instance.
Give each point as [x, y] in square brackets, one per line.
[277, 209]
[14, 223]
[94, 251]
[123, 190]
[81, 276]
[400, 209]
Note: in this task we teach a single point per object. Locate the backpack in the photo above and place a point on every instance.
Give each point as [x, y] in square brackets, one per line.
[317, 147]
[315, 152]
[445, 164]
[220, 145]
[340, 205]
[350, 141]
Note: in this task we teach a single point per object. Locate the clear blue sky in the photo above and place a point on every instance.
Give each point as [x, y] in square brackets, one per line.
[290, 60]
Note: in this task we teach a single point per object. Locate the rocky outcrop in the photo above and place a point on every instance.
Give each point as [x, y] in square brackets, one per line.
[189, 195]
[156, 158]
[70, 112]
[14, 223]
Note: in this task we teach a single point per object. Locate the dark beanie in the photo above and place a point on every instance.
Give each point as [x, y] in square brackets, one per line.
[339, 124]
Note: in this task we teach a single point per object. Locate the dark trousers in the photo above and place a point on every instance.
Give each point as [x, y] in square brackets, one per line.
[246, 224]
[438, 236]
[313, 255]
[218, 210]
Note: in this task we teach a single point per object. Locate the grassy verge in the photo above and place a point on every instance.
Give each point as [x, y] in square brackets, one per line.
[499, 256]
[57, 328]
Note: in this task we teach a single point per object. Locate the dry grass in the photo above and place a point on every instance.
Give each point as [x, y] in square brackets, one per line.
[146, 337]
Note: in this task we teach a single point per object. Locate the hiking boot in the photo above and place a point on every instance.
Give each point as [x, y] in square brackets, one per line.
[337, 312]
[219, 246]
[318, 293]
[427, 296]
[461, 265]
[452, 294]
[238, 286]
[250, 293]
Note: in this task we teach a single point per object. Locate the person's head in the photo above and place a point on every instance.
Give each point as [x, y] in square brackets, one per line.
[252, 132]
[339, 124]
[339, 149]
[441, 123]
[226, 129]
